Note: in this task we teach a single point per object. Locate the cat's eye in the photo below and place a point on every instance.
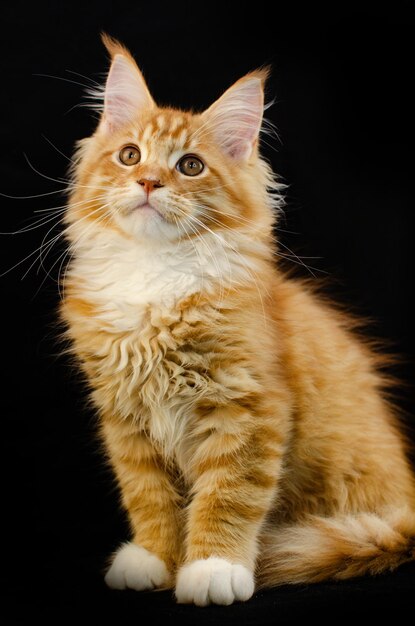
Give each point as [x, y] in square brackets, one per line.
[190, 165]
[129, 155]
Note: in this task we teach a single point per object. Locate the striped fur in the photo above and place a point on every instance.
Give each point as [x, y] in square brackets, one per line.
[244, 419]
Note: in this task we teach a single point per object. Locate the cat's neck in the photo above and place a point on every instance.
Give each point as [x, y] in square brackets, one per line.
[124, 275]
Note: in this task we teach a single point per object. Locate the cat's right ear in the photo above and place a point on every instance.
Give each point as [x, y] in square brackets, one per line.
[126, 92]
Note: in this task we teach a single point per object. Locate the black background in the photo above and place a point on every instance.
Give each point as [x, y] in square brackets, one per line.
[342, 78]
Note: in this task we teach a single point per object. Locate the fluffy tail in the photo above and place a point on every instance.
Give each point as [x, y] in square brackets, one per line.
[336, 547]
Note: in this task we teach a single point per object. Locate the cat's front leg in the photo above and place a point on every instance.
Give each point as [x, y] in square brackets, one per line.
[153, 507]
[236, 473]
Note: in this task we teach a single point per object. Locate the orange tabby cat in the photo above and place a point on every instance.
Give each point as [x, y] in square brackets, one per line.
[244, 420]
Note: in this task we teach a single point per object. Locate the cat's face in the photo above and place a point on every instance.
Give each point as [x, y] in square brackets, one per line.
[160, 173]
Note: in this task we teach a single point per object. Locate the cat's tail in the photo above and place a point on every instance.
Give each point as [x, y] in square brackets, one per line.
[323, 548]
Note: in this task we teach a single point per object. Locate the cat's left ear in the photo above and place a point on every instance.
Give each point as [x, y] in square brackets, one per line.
[235, 118]
[126, 92]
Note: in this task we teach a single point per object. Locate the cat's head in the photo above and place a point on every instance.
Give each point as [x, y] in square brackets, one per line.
[159, 173]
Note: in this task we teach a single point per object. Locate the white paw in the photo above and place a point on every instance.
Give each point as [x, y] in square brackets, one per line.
[213, 580]
[136, 568]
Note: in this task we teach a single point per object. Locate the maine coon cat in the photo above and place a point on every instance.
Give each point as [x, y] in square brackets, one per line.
[245, 422]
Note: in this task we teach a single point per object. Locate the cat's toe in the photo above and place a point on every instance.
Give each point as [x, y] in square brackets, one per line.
[136, 568]
[215, 581]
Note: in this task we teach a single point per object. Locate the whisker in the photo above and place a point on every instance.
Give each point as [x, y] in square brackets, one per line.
[72, 204]
[69, 253]
[66, 80]
[45, 219]
[32, 167]
[42, 258]
[299, 260]
[83, 76]
[36, 224]
[180, 227]
[206, 189]
[243, 260]
[57, 149]
[44, 246]
[189, 219]
[22, 261]
[68, 183]
[291, 256]
[71, 161]
[37, 195]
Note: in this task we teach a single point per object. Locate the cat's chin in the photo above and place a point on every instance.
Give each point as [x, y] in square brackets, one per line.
[146, 221]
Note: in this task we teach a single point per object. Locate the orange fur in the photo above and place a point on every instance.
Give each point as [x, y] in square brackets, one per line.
[244, 420]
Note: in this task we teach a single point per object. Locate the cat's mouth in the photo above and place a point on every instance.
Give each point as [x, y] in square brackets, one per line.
[146, 209]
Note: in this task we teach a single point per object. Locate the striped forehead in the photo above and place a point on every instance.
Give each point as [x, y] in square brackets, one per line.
[169, 129]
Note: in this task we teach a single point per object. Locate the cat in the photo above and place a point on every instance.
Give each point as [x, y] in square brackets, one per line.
[246, 421]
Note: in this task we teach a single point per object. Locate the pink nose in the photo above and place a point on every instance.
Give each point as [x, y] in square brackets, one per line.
[149, 184]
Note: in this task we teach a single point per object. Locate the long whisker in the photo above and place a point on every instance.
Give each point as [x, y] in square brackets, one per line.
[57, 149]
[241, 218]
[290, 255]
[22, 261]
[45, 219]
[180, 228]
[66, 80]
[37, 195]
[206, 189]
[37, 223]
[91, 80]
[189, 219]
[32, 167]
[242, 259]
[73, 164]
[72, 204]
[46, 246]
[68, 183]
[219, 273]
[42, 258]
[69, 253]
[299, 260]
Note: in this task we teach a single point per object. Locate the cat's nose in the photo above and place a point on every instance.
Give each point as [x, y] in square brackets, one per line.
[150, 184]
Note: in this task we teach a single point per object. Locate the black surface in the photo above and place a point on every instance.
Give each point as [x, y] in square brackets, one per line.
[342, 82]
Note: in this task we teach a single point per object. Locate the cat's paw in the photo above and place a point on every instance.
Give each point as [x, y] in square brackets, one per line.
[215, 581]
[136, 568]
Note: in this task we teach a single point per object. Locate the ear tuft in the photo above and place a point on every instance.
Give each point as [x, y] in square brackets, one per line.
[126, 92]
[236, 117]
[113, 45]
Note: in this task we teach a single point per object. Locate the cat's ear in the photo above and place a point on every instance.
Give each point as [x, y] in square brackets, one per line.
[236, 117]
[126, 92]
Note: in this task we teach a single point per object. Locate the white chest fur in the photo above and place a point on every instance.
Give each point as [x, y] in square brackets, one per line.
[125, 277]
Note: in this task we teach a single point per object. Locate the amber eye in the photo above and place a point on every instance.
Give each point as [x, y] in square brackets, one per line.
[130, 155]
[190, 165]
